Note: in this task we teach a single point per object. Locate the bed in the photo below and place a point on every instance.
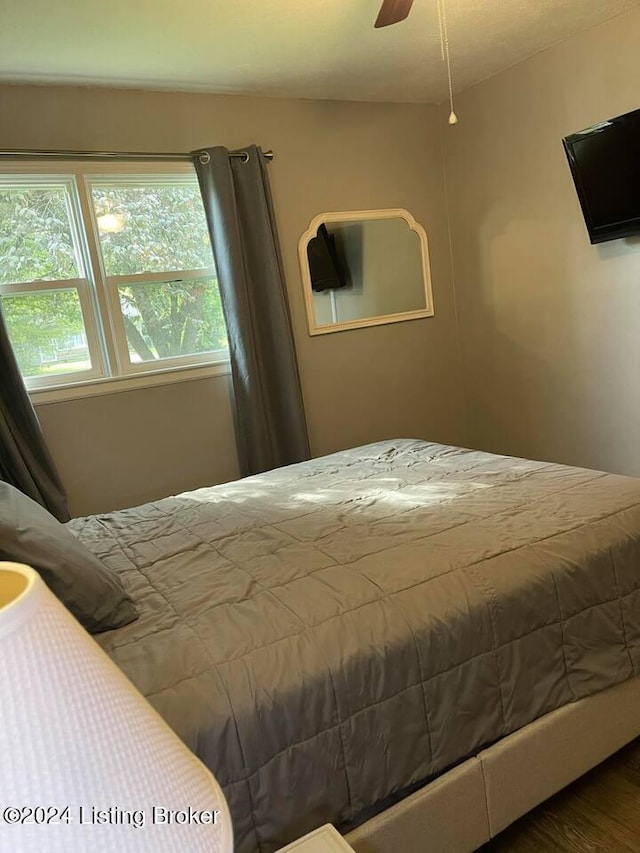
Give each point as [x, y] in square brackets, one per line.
[372, 631]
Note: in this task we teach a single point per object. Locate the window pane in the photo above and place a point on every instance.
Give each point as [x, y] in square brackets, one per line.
[35, 234]
[151, 228]
[47, 332]
[172, 318]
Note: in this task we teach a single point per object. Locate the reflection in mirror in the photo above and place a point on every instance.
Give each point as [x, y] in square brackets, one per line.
[363, 268]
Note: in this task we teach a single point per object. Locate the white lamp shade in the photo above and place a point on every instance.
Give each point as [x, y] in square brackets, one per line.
[86, 764]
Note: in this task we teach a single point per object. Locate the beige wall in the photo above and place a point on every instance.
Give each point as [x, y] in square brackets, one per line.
[549, 325]
[359, 386]
[123, 449]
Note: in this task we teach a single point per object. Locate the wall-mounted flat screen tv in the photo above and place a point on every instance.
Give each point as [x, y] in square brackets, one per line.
[605, 164]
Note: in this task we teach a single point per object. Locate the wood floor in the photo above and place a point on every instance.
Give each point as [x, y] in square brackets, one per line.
[599, 812]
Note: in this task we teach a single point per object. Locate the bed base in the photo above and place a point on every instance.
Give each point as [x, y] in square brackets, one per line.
[466, 807]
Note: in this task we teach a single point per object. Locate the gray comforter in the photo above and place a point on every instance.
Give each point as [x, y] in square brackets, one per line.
[326, 635]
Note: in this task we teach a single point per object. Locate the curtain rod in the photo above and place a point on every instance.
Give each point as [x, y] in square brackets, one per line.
[110, 155]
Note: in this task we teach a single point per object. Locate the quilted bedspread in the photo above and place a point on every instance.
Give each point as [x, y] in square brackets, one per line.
[327, 635]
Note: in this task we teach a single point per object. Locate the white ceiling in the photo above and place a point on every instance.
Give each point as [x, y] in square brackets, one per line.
[298, 48]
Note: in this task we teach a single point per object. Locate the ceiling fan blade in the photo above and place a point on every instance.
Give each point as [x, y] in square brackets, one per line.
[393, 11]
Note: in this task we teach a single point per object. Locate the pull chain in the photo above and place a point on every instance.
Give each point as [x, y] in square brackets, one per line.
[444, 50]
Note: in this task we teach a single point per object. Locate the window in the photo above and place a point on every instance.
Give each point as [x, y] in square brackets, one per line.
[106, 275]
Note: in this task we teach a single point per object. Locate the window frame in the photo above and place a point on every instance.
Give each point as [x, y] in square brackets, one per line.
[112, 370]
[82, 285]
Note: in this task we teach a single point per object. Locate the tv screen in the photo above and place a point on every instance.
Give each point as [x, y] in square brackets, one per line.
[605, 164]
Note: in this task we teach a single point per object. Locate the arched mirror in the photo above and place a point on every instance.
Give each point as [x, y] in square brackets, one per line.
[364, 268]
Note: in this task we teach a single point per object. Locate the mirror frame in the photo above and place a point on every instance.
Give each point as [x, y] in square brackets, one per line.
[382, 319]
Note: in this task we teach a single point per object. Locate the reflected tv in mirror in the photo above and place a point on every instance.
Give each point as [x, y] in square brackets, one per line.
[605, 164]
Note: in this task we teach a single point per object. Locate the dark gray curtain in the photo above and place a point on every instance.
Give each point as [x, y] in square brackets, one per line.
[24, 459]
[269, 414]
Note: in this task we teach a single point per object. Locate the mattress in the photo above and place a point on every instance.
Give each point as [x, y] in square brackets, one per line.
[329, 636]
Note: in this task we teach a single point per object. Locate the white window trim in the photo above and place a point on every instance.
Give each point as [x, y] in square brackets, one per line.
[97, 301]
[119, 384]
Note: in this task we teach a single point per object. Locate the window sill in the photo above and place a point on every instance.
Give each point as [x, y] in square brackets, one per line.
[119, 384]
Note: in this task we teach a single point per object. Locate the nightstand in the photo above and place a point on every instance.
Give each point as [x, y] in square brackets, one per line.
[326, 839]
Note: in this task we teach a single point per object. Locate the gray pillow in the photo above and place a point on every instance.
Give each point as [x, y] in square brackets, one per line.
[29, 534]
